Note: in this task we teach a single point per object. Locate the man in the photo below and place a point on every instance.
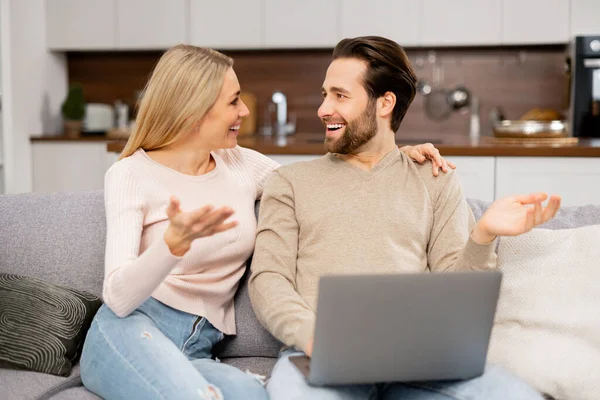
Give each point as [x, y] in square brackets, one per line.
[366, 208]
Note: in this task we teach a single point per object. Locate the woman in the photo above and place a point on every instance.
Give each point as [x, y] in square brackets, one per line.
[173, 260]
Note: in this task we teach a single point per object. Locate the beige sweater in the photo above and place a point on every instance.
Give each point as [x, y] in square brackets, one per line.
[329, 217]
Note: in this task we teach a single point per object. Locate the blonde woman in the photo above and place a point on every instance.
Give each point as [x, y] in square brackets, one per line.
[173, 257]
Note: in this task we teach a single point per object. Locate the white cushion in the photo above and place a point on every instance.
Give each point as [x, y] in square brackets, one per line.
[547, 328]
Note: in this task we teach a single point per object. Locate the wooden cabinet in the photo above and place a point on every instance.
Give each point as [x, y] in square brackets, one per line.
[81, 24]
[535, 21]
[151, 24]
[584, 17]
[461, 22]
[226, 24]
[399, 20]
[301, 23]
[574, 179]
[476, 176]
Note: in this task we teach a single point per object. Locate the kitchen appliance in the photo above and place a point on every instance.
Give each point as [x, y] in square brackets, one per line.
[99, 118]
[583, 64]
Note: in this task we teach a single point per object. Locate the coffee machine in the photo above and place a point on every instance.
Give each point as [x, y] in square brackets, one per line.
[583, 63]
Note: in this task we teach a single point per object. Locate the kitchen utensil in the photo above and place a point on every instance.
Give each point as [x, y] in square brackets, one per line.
[524, 129]
[437, 107]
[423, 87]
[459, 98]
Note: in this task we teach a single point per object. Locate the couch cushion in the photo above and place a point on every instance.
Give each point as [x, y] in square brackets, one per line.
[42, 326]
[76, 393]
[547, 327]
[57, 237]
[252, 340]
[256, 365]
[20, 385]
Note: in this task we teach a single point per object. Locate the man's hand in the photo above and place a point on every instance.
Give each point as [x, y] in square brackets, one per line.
[514, 215]
[427, 151]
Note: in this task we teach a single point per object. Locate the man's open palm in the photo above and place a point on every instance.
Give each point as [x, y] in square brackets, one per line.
[515, 215]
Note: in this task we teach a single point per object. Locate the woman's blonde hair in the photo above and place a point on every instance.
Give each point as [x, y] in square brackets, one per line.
[184, 85]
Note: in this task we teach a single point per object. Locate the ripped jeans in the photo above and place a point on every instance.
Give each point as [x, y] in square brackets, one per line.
[158, 352]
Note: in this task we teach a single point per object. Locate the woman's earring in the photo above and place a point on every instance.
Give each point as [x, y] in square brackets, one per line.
[197, 128]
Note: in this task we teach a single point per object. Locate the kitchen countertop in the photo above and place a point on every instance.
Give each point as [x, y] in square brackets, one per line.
[308, 144]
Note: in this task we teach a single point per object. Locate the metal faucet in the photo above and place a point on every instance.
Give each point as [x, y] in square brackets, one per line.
[282, 127]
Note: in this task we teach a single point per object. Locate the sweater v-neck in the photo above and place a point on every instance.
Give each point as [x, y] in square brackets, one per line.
[386, 161]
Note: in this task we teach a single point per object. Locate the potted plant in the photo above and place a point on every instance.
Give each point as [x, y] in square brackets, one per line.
[73, 111]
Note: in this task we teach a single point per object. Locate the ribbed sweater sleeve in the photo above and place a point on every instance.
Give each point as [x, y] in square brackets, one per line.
[130, 277]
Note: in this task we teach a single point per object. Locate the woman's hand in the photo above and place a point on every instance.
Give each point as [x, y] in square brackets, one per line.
[427, 151]
[185, 227]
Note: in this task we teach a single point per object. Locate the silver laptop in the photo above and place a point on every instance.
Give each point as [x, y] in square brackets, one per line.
[403, 327]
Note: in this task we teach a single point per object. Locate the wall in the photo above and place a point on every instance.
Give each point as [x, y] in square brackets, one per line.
[34, 84]
[517, 79]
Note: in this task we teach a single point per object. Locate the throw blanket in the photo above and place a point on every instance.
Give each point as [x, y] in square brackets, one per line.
[547, 328]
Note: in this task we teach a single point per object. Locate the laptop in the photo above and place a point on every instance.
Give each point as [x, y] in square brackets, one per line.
[402, 327]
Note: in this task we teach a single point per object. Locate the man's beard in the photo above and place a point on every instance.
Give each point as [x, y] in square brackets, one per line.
[357, 133]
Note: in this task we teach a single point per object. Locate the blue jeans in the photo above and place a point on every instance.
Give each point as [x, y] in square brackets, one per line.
[158, 352]
[288, 383]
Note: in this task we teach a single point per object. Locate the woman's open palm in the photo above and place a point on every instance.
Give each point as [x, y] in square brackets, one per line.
[185, 227]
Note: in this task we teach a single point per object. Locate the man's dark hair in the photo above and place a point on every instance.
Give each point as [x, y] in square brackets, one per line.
[388, 70]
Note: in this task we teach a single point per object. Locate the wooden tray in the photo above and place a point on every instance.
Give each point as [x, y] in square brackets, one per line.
[554, 142]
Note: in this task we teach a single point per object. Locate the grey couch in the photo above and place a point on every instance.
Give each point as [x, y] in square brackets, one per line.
[60, 238]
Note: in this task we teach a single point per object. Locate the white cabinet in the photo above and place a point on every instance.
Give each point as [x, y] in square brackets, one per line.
[64, 166]
[226, 24]
[301, 23]
[585, 17]
[476, 176]
[535, 21]
[399, 20]
[461, 22]
[574, 179]
[81, 24]
[152, 24]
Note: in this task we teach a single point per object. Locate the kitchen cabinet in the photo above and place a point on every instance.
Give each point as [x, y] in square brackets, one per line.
[151, 24]
[584, 17]
[399, 20]
[301, 23]
[81, 25]
[64, 166]
[461, 22]
[535, 21]
[574, 179]
[476, 176]
[226, 24]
